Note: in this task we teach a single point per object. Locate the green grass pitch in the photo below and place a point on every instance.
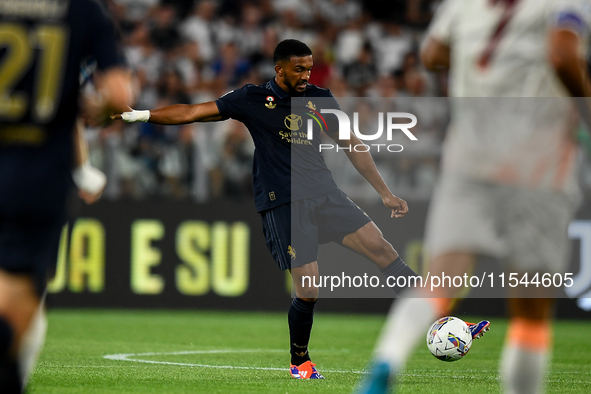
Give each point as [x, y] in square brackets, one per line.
[217, 352]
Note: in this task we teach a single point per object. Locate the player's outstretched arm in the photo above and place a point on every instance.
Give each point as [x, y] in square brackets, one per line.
[174, 114]
[365, 165]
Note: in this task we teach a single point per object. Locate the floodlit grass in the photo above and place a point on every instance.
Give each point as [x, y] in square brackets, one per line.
[230, 352]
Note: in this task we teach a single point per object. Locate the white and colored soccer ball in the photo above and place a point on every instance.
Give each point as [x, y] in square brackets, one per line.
[449, 339]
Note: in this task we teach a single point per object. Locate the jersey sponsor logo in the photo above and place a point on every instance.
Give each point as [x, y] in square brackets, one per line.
[270, 102]
[293, 122]
[292, 253]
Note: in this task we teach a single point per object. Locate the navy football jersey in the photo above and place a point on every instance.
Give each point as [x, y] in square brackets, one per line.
[287, 167]
[42, 44]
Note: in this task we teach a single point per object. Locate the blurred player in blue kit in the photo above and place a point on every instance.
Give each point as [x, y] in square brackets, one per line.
[299, 203]
[42, 44]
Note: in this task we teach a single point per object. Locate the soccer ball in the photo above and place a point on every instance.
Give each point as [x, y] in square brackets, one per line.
[449, 339]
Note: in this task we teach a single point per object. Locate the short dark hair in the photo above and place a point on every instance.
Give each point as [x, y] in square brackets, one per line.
[287, 49]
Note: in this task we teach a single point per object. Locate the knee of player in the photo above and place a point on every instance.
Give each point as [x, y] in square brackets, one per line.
[309, 294]
[381, 247]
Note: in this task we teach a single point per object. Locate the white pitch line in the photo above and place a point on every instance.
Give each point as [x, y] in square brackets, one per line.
[127, 357]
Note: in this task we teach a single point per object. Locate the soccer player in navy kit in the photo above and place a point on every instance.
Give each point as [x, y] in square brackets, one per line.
[42, 43]
[299, 202]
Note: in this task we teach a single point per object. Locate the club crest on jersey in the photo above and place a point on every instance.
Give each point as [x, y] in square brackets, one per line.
[291, 252]
[270, 102]
[293, 122]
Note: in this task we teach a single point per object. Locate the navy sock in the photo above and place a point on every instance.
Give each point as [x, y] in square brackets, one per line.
[300, 319]
[10, 380]
[398, 268]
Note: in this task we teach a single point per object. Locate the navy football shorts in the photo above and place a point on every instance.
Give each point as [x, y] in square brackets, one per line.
[32, 211]
[293, 231]
[30, 247]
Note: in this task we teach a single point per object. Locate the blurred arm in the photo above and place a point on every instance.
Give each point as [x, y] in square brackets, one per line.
[89, 180]
[365, 165]
[435, 54]
[80, 144]
[568, 62]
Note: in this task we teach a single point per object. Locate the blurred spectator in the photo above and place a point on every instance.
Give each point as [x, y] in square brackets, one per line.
[290, 26]
[146, 61]
[163, 31]
[230, 67]
[232, 175]
[416, 83]
[262, 60]
[362, 72]
[391, 47]
[251, 33]
[184, 51]
[349, 43]
[386, 10]
[323, 70]
[189, 64]
[171, 88]
[419, 12]
[199, 28]
[338, 12]
[303, 10]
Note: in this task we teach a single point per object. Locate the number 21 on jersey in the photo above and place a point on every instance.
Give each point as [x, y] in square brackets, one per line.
[21, 46]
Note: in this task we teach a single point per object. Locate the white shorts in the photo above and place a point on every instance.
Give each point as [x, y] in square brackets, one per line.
[526, 228]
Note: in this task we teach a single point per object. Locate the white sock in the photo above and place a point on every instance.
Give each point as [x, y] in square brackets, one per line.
[407, 324]
[523, 371]
[32, 343]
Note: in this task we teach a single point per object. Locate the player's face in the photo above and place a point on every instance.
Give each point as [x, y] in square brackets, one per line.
[295, 73]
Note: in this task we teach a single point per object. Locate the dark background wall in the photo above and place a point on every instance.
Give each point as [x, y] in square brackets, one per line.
[182, 255]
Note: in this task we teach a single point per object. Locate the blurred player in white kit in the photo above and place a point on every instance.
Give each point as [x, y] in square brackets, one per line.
[508, 187]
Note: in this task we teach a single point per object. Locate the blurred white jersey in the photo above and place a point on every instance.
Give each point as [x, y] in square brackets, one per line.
[517, 127]
[499, 47]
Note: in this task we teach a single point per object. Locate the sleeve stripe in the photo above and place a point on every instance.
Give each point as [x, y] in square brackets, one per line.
[571, 20]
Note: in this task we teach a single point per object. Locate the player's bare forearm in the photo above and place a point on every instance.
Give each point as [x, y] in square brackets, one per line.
[568, 62]
[184, 113]
[175, 114]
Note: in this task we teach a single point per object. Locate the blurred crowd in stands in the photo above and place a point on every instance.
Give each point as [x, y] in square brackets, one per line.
[186, 51]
